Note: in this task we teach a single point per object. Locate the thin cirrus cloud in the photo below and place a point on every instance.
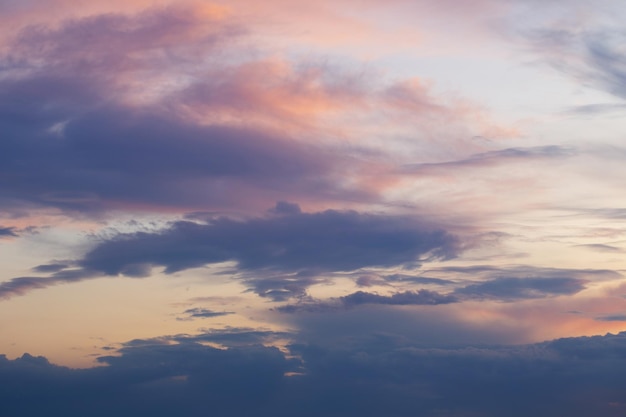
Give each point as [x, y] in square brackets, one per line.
[587, 53]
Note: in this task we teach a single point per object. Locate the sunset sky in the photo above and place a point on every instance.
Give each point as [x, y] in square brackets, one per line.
[288, 208]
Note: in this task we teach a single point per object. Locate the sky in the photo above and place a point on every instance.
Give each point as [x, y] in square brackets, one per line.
[279, 208]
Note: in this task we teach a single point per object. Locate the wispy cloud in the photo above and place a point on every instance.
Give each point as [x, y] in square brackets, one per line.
[202, 313]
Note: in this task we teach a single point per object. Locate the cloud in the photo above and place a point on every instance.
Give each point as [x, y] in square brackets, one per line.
[595, 109]
[613, 317]
[359, 298]
[590, 54]
[421, 297]
[51, 268]
[330, 240]
[518, 282]
[202, 313]
[181, 108]
[186, 379]
[417, 279]
[121, 154]
[21, 285]
[7, 231]
[278, 255]
[91, 125]
[510, 289]
[599, 247]
[575, 376]
[492, 158]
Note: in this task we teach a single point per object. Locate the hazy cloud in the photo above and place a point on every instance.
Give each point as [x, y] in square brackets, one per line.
[7, 231]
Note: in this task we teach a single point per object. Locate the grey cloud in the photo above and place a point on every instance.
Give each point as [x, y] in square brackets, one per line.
[51, 268]
[277, 256]
[496, 157]
[577, 377]
[491, 272]
[599, 247]
[606, 213]
[324, 241]
[203, 313]
[72, 142]
[362, 298]
[296, 247]
[125, 155]
[21, 285]
[516, 282]
[229, 337]
[417, 279]
[509, 289]
[421, 297]
[612, 317]
[7, 231]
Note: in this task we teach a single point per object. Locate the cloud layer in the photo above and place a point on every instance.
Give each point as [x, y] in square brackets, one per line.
[578, 376]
